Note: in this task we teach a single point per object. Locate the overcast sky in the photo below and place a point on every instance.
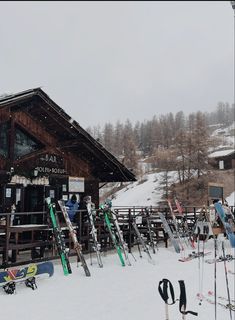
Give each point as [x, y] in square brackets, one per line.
[108, 61]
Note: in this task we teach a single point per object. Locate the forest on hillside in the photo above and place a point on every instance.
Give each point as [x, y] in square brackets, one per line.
[169, 142]
[165, 137]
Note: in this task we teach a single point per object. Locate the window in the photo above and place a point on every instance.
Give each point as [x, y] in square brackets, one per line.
[4, 139]
[24, 144]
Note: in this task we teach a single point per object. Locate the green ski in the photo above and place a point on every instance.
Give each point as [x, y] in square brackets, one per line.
[60, 243]
[105, 209]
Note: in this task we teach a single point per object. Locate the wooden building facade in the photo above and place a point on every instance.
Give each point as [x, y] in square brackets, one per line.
[44, 152]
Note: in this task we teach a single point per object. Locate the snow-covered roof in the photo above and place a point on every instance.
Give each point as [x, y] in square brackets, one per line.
[220, 153]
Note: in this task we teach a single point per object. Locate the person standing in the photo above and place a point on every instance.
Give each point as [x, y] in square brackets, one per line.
[72, 207]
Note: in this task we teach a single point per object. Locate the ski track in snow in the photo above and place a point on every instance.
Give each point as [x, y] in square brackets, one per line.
[115, 292]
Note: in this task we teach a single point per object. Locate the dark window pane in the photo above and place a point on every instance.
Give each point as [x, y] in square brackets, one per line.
[24, 144]
[4, 139]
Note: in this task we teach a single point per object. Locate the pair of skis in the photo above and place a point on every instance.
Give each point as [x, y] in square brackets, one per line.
[141, 241]
[115, 232]
[59, 238]
[96, 245]
[73, 235]
[185, 224]
[150, 231]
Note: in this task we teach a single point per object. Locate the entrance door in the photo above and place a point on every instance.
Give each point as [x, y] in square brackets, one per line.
[34, 202]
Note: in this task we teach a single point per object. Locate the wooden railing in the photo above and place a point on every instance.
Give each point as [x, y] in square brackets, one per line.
[24, 243]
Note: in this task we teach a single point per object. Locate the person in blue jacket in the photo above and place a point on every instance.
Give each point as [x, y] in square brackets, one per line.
[72, 207]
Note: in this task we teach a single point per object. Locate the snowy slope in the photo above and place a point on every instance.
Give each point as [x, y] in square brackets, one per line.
[143, 194]
[115, 292]
[149, 192]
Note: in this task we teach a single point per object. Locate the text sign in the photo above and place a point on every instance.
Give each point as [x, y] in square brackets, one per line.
[76, 184]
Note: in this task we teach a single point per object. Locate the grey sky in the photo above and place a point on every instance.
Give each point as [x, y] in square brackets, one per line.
[108, 61]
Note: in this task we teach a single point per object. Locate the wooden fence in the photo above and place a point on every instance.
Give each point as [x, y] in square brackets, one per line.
[23, 243]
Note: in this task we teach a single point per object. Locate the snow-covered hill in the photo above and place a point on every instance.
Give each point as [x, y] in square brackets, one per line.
[143, 193]
[149, 192]
[225, 136]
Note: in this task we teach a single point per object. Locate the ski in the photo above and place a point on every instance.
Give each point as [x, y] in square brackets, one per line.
[175, 224]
[186, 227]
[59, 238]
[141, 240]
[211, 294]
[96, 245]
[194, 255]
[174, 240]
[211, 301]
[105, 209]
[231, 272]
[10, 277]
[73, 235]
[227, 258]
[150, 230]
[228, 224]
[119, 232]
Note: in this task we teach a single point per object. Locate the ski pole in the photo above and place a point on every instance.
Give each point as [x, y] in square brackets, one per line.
[199, 265]
[90, 253]
[164, 294]
[226, 278]
[215, 288]
[183, 301]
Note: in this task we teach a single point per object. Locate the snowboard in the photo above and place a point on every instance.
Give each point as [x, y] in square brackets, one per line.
[21, 274]
[228, 226]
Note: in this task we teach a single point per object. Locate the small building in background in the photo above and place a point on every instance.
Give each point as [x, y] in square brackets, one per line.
[223, 159]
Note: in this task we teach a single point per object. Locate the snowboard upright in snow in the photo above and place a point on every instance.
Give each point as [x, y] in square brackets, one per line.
[73, 235]
[228, 225]
[174, 240]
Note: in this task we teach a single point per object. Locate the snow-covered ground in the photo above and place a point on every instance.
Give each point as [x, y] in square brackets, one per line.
[115, 292]
[127, 293]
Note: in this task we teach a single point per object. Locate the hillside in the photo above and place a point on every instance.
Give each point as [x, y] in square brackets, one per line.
[148, 190]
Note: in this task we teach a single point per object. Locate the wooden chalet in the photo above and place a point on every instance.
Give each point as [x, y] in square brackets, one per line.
[223, 159]
[44, 152]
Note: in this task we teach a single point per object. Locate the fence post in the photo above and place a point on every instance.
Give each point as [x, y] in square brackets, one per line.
[130, 229]
[8, 234]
